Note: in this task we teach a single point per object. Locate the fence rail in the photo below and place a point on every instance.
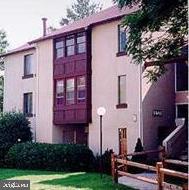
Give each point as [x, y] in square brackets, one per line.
[120, 165]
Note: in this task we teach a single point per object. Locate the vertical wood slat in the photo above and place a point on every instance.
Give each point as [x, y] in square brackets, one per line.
[113, 165]
[160, 175]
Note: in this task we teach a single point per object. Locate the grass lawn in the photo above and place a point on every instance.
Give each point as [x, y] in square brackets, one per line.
[42, 180]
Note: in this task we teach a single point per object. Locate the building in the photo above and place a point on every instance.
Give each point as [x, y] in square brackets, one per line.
[60, 79]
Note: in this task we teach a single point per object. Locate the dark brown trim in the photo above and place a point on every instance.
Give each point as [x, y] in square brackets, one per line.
[28, 76]
[118, 54]
[121, 106]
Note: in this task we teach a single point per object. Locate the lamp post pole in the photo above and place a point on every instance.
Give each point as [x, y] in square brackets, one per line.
[101, 146]
[101, 111]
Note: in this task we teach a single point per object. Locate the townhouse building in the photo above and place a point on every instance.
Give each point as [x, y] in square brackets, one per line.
[60, 79]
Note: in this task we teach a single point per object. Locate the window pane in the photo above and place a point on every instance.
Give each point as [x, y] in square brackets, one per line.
[28, 103]
[70, 91]
[70, 41]
[59, 52]
[122, 39]
[81, 89]
[59, 44]
[81, 43]
[81, 38]
[181, 76]
[28, 64]
[60, 89]
[122, 90]
[81, 48]
[70, 50]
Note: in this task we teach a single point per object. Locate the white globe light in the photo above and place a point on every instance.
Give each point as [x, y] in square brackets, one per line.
[101, 111]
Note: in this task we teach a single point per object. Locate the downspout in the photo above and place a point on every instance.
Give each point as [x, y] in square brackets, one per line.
[140, 105]
[37, 90]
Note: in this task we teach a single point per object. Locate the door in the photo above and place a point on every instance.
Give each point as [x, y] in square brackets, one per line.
[122, 140]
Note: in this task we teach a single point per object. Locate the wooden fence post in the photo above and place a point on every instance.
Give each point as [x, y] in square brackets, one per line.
[113, 165]
[116, 171]
[160, 175]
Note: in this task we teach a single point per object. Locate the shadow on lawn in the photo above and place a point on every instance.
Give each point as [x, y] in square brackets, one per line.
[86, 180]
[10, 173]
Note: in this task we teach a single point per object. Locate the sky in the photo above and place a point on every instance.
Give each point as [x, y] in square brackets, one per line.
[21, 19]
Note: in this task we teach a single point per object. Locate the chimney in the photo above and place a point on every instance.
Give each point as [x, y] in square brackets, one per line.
[44, 26]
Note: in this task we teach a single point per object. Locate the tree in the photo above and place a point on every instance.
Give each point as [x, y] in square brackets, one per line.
[3, 46]
[79, 10]
[168, 19]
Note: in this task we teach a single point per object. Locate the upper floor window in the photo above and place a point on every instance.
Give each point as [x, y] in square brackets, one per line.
[59, 46]
[70, 91]
[70, 45]
[81, 89]
[122, 40]
[59, 91]
[28, 64]
[27, 108]
[121, 91]
[81, 43]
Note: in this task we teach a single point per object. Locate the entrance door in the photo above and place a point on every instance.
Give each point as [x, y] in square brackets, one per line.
[122, 140]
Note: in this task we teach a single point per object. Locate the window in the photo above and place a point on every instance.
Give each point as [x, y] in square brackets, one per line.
[181, 76]
[81, 43]
[122, 90]
[70, 48]
[81, 89]
[122, 40]
[59, 49]
[28, 104]
[70, 91]
[59, 91]
[28, 64]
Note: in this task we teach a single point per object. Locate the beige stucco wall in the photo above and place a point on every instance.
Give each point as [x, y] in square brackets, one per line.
[158, 95]
[46, 132]
[106, 68]
[15, 86]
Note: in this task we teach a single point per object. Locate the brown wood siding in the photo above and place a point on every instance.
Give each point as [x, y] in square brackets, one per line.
[73, 67]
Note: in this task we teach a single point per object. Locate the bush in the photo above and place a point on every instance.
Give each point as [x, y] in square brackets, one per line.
[14, 127]
[55, 157]
[106, 162]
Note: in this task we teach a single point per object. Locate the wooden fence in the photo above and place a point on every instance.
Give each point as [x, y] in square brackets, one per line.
[120, 165]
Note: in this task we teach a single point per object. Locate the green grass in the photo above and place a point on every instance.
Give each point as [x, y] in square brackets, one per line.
[42, 180]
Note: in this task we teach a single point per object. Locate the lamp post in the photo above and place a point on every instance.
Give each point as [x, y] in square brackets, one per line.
[101, 111]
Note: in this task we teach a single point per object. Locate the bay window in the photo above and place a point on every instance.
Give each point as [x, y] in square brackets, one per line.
[70, 91]
[59, 46]
[59, 91]
[81, 43]
[81, 89]
[70, 45]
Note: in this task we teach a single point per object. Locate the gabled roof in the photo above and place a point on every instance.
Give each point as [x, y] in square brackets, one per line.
[109, 14]
[105, 15]
[22, 48]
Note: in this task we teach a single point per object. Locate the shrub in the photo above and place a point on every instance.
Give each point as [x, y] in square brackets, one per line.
[139, 148]
[14, 127]
[56, 157]
[106, 162]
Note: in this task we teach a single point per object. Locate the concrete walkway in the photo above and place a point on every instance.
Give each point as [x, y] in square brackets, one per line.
[138, 184]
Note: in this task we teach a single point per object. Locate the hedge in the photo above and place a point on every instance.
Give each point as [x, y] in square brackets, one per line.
[56, 157]
[14, 127]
